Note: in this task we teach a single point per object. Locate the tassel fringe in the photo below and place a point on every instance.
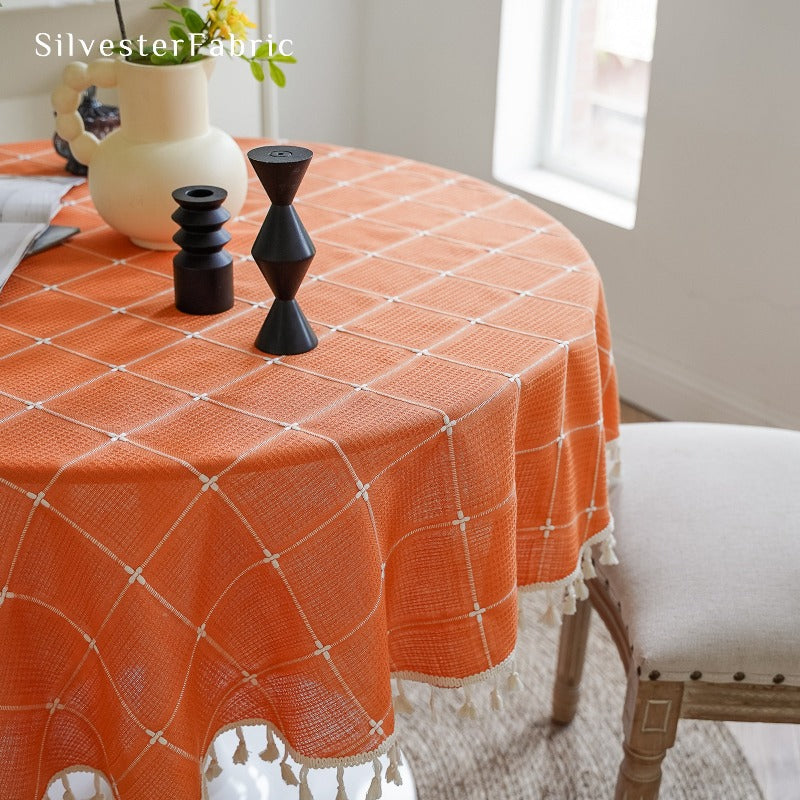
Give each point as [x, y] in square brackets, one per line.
[341, 793]
[401, 702]
[552, 616]
[607, 555]
[587, 565]
[375, 790]
[214, 770]
[496, 699]
[289, 778]
[67, 791]
[468, 710]
[393, 771]
[305, 792]
[270, 752]
[570, 605]
[98, 791]
[240, 755]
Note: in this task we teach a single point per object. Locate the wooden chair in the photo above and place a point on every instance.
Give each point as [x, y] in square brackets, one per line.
[704, 606]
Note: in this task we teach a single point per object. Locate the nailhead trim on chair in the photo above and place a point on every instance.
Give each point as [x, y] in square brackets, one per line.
[778, 678]
[739, 676]
[655, 675]
[696, 675]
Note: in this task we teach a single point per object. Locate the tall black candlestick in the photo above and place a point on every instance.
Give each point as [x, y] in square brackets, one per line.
[283, 250]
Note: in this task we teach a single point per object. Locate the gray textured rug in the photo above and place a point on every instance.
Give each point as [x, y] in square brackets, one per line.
[518, 755]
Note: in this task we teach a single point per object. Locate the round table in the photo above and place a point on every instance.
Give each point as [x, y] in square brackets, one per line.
[197, 535]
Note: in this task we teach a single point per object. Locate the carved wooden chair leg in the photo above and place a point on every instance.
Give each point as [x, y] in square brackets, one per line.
[571, 655]
[650, 721]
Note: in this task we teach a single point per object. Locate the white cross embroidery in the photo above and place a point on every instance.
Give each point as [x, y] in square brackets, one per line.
[156, 736]
[136, 575]
[322, 650]
[38, 499]
[209, 483]
[462, 521]
[478, 612]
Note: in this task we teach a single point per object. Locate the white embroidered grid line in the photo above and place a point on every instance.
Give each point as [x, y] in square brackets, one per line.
[560, 440]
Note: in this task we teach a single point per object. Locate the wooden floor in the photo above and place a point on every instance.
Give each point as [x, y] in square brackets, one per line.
[773, 751]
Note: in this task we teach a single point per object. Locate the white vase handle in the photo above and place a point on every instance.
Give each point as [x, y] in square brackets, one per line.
[76, 78]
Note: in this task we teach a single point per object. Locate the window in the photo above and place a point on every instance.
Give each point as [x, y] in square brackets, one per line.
[587, 77]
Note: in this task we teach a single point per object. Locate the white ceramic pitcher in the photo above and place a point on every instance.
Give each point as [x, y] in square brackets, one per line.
[164, 142]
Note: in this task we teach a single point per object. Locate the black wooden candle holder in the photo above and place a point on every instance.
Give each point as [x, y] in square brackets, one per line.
[283, 250]
[203, 271]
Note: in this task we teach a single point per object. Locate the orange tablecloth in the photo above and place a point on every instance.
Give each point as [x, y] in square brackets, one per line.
[194, 534]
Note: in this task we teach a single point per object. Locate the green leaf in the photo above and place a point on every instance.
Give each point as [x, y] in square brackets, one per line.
[178, 33]
[278, 78]
[262, 53]
[167, 6]
[257, 70]
[194, 22]
[184, 52]
[167, 58]
[284, 59]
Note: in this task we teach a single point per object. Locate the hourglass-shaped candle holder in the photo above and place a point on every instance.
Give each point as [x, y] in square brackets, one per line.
[283, 250]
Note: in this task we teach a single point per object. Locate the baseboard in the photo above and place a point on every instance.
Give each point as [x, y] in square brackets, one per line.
[671, 391]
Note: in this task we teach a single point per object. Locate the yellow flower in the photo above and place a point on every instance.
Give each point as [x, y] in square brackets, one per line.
[227, 20]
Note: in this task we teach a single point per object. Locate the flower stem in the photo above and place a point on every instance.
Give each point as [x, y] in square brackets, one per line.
[120, 19]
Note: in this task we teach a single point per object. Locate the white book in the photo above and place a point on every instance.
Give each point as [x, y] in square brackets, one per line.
[27, 204]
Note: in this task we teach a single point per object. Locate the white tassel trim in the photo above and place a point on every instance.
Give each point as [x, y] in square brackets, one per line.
[240, 755]
[570, 605]
[289, 778]
[341, 793]
[98, 791]
[68, 795]
[305, 792]
[402, 705]
[496, 699]
[514, 682]
[375, 790]
[213, 770]
[552, 616]
[587, 565]
[395, 761]
[468, 710]
[607, 555]
[270, 752]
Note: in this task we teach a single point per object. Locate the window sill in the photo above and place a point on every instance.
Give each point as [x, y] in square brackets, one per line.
[572, 194]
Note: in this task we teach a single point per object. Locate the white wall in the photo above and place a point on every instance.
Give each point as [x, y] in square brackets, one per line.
[324, 94]
[27, 80]
[704, 293]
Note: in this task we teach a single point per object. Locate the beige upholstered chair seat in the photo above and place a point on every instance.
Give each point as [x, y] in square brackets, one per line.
[708, 539]
[705, 603]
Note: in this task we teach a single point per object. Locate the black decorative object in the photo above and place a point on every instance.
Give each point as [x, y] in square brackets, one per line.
[98, 119]
[283, 249]
[203, 271]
